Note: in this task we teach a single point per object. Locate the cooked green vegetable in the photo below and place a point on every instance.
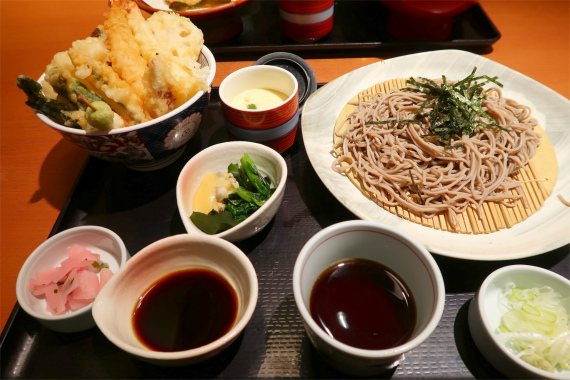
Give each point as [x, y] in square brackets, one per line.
[240, 208]
[101, 117]
[454, 109]
[76, 108]
[251, 107]
[213, 222]
[80, 96]
[49, 107]
[239, 174]
[252, 193]
[261, 184]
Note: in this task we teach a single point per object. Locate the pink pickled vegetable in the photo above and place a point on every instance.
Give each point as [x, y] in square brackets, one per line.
[55, 300]
[74, 283]
[88, 286]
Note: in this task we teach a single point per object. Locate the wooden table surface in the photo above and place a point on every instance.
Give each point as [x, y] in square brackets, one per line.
[39, 168]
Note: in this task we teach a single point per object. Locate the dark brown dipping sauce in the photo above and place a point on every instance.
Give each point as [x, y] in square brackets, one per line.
[363, 304]
[185, 310]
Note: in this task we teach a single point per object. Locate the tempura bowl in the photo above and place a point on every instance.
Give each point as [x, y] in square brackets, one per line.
[114, 306]
[150, 145]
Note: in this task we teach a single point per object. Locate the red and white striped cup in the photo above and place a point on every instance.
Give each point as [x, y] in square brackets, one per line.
[306, 20]
[275, 127]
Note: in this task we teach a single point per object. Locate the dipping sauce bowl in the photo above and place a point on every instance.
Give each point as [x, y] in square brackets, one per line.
[392, 249]
[114, 307]
[275, 126]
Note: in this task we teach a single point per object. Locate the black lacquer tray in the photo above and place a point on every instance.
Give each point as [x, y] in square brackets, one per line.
[357, 25]
[141, 208]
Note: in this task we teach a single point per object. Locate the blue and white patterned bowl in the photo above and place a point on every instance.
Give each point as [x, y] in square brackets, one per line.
[150, 145]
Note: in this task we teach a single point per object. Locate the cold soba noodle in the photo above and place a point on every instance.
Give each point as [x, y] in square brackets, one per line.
[405, 163]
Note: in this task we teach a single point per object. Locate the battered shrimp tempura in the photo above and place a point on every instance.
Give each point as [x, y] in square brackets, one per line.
[124, 52]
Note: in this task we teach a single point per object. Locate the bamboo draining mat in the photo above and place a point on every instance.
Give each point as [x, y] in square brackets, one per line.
[538, 179]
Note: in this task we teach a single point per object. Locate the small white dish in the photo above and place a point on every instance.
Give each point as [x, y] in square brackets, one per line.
[52, 252]
[401, 253]
[216, 159]
[114, 306]
[484, 318]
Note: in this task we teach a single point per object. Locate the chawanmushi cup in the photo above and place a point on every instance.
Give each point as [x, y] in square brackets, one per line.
[275, 127]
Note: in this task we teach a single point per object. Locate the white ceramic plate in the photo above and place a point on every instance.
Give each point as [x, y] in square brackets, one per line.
[547, 229]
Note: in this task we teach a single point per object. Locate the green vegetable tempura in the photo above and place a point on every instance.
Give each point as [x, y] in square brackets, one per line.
[101, 117]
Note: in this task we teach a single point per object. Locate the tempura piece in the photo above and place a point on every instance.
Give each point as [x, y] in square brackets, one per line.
[161, 92]
[59, 72]
[149, 46]
[92, 47]
[114, 91]
[172, 77]
[178, 35]
[60, 81]
[124, 51]
[48, 90]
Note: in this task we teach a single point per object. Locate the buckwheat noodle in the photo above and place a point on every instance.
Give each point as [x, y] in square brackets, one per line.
[385, 157]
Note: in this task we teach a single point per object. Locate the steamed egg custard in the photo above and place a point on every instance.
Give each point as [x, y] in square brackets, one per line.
[213, 189]
[258, 99]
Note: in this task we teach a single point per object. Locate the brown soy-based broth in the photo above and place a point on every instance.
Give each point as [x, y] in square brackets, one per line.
[205, 4]
[363, 304]
[184, 310]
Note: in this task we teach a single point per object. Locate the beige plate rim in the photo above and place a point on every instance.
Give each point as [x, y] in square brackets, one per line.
[542, 232]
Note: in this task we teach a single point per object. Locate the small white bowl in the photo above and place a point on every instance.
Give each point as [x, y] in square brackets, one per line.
[216, 159]
[52, 252]
[485, 317]
[113, 308]
[390, 247]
